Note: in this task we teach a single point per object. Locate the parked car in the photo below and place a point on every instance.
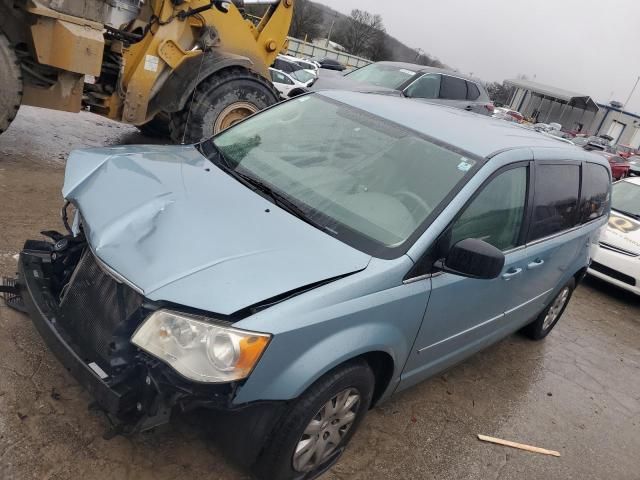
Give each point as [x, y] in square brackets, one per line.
[414, 81]
[507, 114]
[620, 167]
[330, 64]
[287, 85]
[296, 277]
[617, 259]
[307, 65]
[287, 66]
[625, 151]
[634, 165]
[580, 141]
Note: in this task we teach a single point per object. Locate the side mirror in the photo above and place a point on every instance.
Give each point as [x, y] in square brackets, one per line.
[473, 258]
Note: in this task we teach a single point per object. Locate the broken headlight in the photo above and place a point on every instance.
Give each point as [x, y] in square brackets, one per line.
[199, 349]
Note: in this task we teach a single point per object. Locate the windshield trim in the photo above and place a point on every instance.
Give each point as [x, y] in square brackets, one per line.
[344, 233]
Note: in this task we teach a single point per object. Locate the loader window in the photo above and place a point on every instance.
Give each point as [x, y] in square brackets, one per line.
[367, 181]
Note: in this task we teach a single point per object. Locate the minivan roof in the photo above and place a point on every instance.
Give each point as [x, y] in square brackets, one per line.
[477, 134]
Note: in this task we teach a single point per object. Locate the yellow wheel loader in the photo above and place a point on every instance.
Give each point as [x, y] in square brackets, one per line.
[184, 68]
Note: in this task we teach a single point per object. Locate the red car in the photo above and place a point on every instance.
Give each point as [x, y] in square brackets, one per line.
[626, 151]
[619, 166]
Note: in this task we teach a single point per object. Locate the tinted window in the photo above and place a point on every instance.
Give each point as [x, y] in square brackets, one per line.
[596, 195]
[473, 92]
[497, 213]
[555, 199]
[453, 88]
[427, 86]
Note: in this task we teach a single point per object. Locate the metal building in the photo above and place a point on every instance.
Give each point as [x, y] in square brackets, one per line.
[577, 113]
[622, 126]
[545, 104]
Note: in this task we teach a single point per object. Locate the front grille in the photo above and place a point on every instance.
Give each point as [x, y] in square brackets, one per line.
[610, 272]
[95, 308]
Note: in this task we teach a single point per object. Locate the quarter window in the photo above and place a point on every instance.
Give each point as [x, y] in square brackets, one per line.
[473, 92]
[596, 192]
[555, 206]
[496, 215]
[453, 88]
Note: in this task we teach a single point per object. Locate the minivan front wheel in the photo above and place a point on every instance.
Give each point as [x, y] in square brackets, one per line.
[318, 425]
[542, 326]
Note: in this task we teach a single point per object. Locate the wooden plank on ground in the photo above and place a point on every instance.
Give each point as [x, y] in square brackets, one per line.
[520, 446]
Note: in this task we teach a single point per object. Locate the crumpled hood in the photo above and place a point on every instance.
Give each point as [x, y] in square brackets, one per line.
[199, 238]
[622, 232]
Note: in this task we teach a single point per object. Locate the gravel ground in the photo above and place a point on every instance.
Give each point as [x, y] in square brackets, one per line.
[578, 392]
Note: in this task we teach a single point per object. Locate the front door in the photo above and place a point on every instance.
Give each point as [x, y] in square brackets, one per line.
[465, 315]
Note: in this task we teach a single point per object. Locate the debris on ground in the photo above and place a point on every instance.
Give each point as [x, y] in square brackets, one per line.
[521, 446]
[55, 395]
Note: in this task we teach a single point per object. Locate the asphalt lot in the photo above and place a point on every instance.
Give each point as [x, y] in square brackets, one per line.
[578, 392]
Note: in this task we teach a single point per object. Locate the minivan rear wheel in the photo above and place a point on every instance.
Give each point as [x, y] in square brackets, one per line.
[544, 323]
[318, 425]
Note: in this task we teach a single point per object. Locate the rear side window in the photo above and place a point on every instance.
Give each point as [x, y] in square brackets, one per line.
[555, 205]
[453, 88]
[596, 192]
[473, 92]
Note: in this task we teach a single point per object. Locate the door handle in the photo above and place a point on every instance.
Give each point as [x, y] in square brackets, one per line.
[513, 272]
[537, 264]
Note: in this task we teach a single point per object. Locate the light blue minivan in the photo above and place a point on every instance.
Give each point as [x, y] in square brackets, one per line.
[303, 266]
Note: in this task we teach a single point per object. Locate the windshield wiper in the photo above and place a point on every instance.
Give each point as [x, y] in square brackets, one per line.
[255, 184]
[280, 200]
[628, 214]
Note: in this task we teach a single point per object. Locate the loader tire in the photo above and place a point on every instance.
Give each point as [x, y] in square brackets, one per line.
[158, 127]
[220, 102]
[10, 84]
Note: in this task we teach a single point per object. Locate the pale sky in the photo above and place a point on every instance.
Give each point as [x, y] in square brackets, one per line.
[587, 46]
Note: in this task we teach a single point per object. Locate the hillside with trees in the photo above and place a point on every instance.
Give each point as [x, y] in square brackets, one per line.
[361, 33]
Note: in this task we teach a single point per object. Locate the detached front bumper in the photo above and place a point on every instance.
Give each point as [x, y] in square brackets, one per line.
[145, 396]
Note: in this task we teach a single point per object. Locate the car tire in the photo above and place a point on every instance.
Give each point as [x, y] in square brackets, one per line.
[158, 127]
[219, 102]
[544, 323]
[296, 438]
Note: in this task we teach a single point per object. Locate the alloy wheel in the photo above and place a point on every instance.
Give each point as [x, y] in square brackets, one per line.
[556, 308]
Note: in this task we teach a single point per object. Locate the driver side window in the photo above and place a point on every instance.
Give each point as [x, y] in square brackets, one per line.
[496, 215]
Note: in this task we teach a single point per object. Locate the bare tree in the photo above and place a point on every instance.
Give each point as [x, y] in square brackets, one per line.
[499, 93]
[307, 21]
[361, 33]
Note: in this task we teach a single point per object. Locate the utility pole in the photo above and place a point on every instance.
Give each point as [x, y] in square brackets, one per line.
[633, 90]
[624, 106]
[335, 17]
